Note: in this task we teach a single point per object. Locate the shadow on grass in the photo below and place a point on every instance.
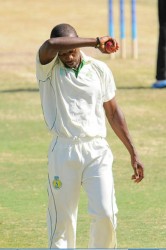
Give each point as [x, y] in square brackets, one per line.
[134, 87]
[36, 89]
[19, 90]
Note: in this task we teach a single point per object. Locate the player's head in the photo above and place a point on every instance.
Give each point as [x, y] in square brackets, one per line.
[71, 58]
[63, 30]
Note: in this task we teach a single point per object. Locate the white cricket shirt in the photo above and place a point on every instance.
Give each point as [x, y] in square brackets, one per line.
[73, 106]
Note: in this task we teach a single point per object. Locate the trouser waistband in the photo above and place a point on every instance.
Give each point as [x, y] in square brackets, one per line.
[76, 139]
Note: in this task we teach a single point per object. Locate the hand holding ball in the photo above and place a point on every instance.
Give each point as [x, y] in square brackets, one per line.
[107, 44]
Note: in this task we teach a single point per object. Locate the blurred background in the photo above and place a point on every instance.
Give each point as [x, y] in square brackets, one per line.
[25, 25]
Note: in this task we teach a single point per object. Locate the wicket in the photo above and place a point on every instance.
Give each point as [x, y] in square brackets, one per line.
[122, 26]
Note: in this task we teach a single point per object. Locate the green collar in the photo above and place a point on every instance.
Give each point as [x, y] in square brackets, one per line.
[77, 71]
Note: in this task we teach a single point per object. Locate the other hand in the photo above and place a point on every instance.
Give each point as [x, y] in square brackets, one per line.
[138, 171]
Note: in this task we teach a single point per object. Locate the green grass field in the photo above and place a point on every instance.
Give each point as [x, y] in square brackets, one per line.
[24, 138]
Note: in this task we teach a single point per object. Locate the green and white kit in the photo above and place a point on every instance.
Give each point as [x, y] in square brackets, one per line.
[72, 103]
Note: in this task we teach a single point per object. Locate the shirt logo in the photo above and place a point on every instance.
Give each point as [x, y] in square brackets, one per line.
[57, 184]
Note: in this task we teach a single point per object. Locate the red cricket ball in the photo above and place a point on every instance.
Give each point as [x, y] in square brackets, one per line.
[108, 46]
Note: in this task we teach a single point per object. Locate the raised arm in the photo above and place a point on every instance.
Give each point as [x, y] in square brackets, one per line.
[117, 121]
[52, 46]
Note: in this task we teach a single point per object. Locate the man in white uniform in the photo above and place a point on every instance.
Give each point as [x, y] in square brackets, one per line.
[77, 92]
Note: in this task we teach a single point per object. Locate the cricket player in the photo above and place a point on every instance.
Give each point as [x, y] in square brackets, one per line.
[77, 92]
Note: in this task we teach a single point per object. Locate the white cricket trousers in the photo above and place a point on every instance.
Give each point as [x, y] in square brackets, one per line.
[74, 163]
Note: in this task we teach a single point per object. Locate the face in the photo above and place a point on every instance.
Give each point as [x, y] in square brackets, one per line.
[70, 58]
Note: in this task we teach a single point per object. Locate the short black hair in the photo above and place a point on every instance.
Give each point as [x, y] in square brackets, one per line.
[62, 30]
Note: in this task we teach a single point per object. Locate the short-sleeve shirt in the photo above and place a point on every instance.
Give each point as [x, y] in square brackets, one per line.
[73, 106]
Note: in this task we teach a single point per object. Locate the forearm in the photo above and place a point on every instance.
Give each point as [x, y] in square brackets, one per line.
[119, 126]
[52, 46]
[66, 43]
